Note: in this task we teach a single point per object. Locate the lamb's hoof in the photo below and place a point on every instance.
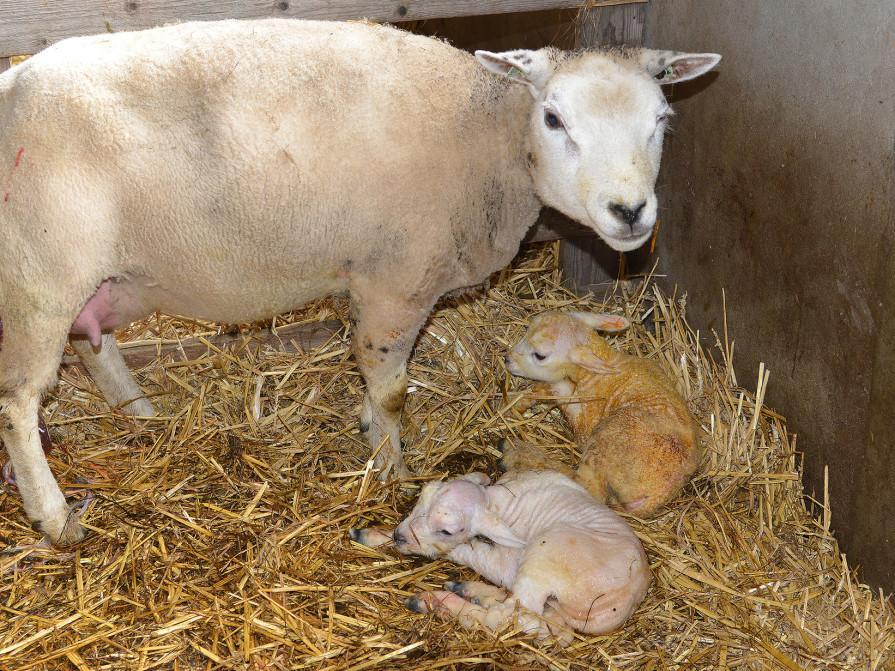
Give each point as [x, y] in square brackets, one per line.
[455, 587]
[357, 535]
[415, 604]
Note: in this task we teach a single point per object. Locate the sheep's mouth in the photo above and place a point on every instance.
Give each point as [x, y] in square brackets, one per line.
[625, 243]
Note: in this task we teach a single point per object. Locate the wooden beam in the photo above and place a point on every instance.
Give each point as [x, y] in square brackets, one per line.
[292, 338]
[27, 26]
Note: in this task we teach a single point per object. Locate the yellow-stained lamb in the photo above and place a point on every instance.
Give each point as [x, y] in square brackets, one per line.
[637, 437]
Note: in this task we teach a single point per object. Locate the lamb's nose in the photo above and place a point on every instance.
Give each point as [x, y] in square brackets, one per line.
[626, 214]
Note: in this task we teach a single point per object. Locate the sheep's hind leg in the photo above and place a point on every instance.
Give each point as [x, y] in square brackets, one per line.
[29, 357]
[498, 616]
[111, 374]
[385, 333]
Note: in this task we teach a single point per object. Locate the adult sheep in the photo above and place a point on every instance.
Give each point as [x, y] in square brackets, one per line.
[234, 170]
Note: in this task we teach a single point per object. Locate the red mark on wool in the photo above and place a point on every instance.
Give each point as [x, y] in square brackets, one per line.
[19, 154]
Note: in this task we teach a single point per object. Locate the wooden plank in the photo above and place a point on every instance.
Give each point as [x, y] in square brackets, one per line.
[586, 262]
[27, 26]
[290, 338]
[612, 26]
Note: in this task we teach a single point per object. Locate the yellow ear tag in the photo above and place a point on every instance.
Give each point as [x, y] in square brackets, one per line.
[514, 72]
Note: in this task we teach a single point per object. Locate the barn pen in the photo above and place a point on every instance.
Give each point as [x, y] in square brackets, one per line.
[219, 529]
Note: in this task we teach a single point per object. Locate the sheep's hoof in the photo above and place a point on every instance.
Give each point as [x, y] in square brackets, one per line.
[68, 532]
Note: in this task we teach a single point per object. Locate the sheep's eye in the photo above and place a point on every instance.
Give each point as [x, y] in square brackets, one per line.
[662, 118]
[539, 356]
[552, 121]
[445, 532]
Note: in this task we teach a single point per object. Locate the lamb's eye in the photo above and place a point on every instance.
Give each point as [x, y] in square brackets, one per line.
[445, 532]
[539, 356]
[552, 121]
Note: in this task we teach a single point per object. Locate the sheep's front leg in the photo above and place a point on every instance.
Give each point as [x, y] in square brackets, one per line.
[111, 374]
[385, 331]
[496, 563]
[44, 502]
[372, 537]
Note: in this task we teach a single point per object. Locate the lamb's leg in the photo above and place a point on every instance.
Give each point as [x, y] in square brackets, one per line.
[488, 596]
[29, 358]
[386, 330]
[522, 456]
[372, 537]
[478, 593]
[495, 617]
[496, 563]
[108, 369]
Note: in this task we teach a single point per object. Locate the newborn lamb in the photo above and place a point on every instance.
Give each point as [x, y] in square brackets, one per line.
[568, 561]
[637, 437]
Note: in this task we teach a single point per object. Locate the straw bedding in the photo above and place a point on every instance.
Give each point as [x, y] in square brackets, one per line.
[220, 528]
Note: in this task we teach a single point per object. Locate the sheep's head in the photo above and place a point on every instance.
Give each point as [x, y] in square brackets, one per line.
[558, 345]
[596, 131]
[448, 514]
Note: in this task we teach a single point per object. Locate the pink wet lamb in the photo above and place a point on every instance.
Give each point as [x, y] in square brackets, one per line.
[568, 561]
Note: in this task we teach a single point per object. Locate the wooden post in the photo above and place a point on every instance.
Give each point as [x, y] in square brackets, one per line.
[588, 261]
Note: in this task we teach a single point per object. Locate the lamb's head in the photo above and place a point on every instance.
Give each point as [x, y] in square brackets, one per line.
[596, 129]
[448, 514]
[558, 345]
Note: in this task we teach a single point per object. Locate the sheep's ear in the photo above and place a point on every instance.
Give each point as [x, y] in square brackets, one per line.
[602, 322]
[477, 478]
[532, 68]
[491, 526]
[584, 357]
[669, 67]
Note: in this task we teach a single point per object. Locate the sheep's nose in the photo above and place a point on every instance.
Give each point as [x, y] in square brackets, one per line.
[398, 537]
[626, 214]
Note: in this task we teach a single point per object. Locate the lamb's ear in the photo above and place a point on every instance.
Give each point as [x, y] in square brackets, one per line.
[602, 322]
[669, 67]
[477, 478]
[532, 68]
[584, 357]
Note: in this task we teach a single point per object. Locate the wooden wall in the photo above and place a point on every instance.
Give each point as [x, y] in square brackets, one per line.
[780, 189]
